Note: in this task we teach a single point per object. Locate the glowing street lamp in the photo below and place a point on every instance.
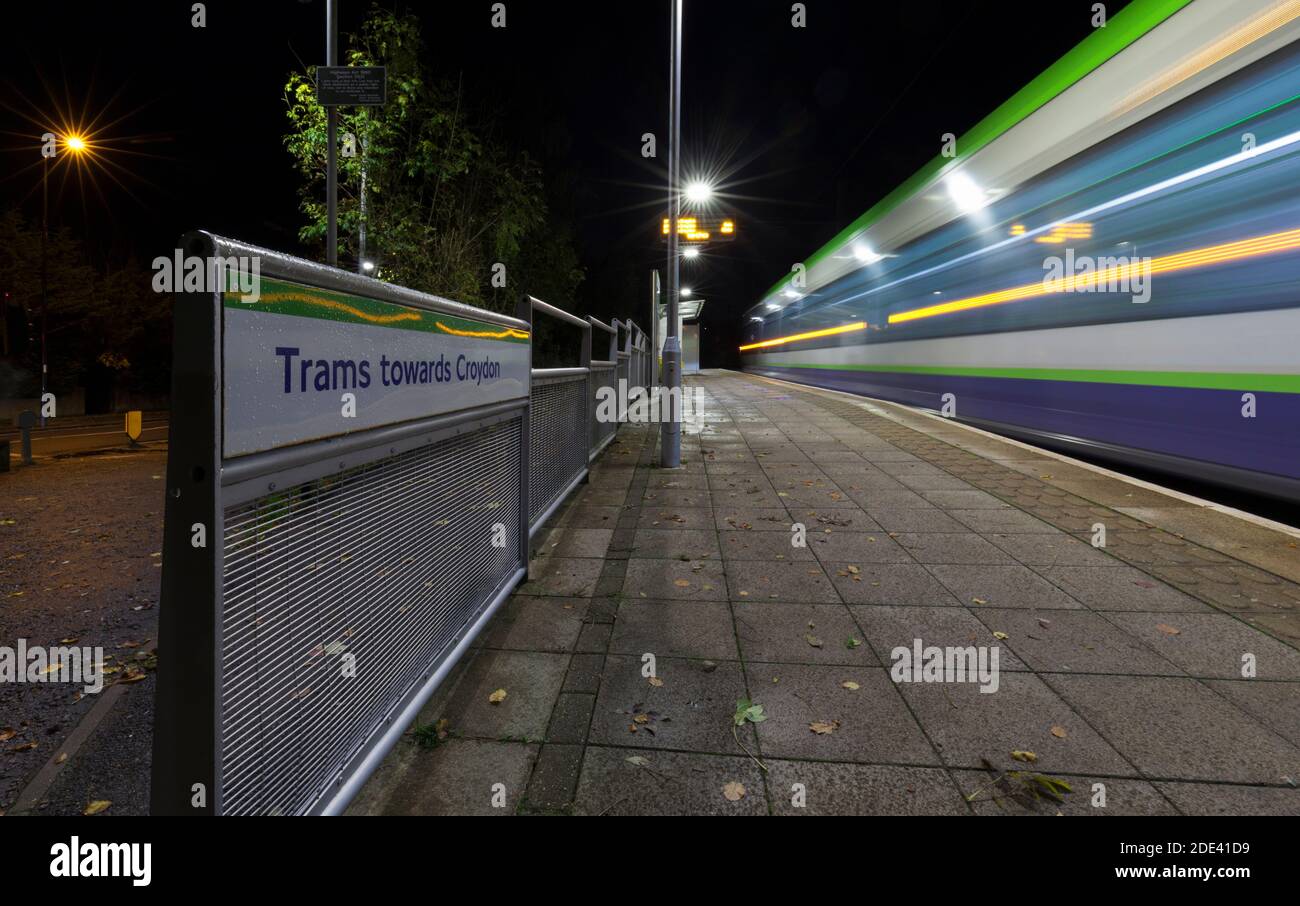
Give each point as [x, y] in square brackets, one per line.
[690, 252]
[699, 192]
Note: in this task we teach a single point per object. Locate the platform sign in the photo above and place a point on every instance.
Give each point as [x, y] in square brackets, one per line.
[351, 86]
[303, 364]
[694, 228]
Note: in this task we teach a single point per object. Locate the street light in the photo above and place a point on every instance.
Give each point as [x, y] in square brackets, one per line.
[670, 447]
[699, 192]
[77, 145]
[691, 252]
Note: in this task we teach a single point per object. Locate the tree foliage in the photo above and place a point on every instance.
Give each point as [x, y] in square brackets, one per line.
[446, 198]
[96, 321]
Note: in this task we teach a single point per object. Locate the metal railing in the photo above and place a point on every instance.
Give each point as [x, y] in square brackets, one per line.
[559, 421]
[604, 376]
[354, 473]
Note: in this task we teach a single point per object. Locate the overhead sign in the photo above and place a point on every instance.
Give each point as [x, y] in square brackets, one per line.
[302, 364]
[693, 228]
[351, 86]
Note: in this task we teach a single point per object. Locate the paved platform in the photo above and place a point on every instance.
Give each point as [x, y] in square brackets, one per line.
[663, 604]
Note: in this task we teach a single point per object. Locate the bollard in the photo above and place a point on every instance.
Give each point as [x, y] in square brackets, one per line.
[27, 421]
[134, 425]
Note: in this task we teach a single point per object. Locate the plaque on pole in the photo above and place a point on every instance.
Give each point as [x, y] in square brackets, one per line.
[351, 86]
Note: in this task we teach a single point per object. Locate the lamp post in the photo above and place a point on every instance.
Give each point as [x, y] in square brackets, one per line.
[332, 137]
[670, 453]
[77, 145]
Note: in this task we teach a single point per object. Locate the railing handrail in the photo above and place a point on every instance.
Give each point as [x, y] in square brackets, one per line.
[558, 313]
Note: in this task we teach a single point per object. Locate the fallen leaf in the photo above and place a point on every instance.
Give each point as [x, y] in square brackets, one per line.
[1020, 755]
[1058, 732]
[849, 684]
[639, 760]
[63, 756]
[96, 807]
[1168, 630]
[498, 696]
[814, 641]
[734, 791]
[851, 642]
[25, 747]
[1000, 636]
[7, 733]
[824, 727]
[656, 681]
[682, 583]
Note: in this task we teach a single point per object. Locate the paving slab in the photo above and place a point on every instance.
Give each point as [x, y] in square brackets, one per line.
[743, 545]
[691, 629]
[1017, 793]
[1001, 585]
[1212, 645]
[1120, 588]
[940, 548]
[888, 628]
[1226, 799]
[666, 783]
[1172, 728]
[908, 584]
[867, 724]
[828, 788]
[800, 634]
[1275, 705]
[564, 577]
[691, 580]
[1051, 549]
[532, 681]
[1074, 641]
[691, 710]
[779, 581]
[663, 544]
[461, 777]
[531, 623]
[969, 727]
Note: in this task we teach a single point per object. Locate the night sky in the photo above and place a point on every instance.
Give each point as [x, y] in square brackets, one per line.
[805, 128]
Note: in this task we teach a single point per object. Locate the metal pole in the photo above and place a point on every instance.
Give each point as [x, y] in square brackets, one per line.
[45, 238]
[670, 453]
[332, 128]
[654, 327]
[361, 230]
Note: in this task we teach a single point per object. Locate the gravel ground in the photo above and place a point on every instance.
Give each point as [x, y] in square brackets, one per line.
[80, 558]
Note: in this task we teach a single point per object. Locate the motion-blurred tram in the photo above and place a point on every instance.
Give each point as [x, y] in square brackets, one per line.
[1108, 263]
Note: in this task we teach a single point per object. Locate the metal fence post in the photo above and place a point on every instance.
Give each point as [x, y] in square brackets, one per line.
[185, 770]
[524, 312]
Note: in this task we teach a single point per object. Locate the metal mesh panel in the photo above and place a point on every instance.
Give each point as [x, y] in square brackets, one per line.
[387, 562]
[600, 431]
[558, 436]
